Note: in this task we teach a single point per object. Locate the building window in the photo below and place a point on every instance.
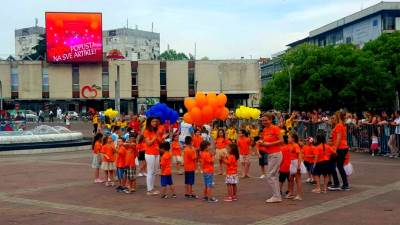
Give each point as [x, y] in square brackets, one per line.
[191, 83]
[105, 87]
[348, 40]
[14, 80]
[75, 80]
[134, 78]
[388, 22]
[163, 78]
[45, 82]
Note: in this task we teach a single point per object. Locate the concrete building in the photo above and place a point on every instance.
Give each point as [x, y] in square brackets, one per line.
[35, 84]
[26, 39]
[134, 44]
[358, 28]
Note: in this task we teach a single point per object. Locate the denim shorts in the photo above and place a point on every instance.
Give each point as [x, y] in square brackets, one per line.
[121, 173]
[166, 180]
[208, 179]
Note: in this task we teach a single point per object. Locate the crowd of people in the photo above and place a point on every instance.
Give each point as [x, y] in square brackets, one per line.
[141, 147]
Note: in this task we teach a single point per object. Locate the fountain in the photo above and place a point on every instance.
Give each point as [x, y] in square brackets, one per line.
[41, 137]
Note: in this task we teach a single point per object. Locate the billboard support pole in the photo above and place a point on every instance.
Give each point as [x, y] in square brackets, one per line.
[117, 92]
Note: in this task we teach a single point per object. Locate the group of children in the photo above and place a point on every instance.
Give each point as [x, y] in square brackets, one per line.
[122, 153]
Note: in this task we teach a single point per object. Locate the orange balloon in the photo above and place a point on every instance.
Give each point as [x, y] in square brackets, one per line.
[188, 118]
[201, 99]
[224, 114]
[207, 113]
[221, 99]
[189, 103]
[195, 113]
[217, 111]
[212, 101]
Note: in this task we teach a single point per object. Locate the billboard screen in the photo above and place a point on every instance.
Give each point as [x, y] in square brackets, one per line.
[74, 37]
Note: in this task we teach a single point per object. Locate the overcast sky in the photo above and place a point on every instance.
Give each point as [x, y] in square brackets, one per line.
[222, 29]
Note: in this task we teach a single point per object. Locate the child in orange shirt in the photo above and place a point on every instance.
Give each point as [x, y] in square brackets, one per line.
[244, 143]
[232, 178]
[284, 169]
[96, 158]
[166, 177]
[220, 149]
[196, 141]
[189, 162]
[207, 163]
[296, 167]
[131, 154]
[141, 156]
[308, 153]
[121, 165]
[108, 165]
[176, 154]
[322, 165]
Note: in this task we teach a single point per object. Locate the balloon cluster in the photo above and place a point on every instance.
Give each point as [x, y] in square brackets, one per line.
[244, 112]
[205, 108]
[111, 113]
[162, 111]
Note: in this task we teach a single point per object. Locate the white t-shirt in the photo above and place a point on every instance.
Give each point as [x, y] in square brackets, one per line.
[397, 121]
[186, 130]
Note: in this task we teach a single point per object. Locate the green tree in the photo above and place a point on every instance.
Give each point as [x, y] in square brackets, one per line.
[40, 48]
[173, 55]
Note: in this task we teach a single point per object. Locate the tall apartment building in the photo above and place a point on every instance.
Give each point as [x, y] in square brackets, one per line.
[26, 39]
[134, 44]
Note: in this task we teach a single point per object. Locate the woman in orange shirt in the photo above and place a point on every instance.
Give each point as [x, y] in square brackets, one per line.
[96, 158]
[153, 136]
[220, 149]
[339, 138]
[270, 143]
[108, 163]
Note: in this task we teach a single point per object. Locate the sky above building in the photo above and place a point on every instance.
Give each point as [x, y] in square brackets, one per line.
[221, 29]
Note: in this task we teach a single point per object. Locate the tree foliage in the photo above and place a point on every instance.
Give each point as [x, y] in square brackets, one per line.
[335, 77]
[173, 55]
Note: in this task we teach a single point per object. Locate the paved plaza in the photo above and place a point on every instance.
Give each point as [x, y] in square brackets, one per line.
[57, 189]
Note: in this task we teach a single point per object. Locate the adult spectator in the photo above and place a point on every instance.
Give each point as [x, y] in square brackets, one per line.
[59, 113]
[271, 140]
[51, 116]
[339, 138]
[394, 149]
[134, 123]
[153, 136]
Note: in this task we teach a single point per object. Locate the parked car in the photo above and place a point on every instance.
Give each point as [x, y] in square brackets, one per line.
[74, 115]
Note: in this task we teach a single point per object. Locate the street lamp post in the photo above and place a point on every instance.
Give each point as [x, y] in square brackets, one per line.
[117, 92]
[290, 87]
[220, 81]
[1, 96]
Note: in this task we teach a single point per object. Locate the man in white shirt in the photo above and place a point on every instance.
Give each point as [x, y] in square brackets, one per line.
[394, 149]
[185, 130]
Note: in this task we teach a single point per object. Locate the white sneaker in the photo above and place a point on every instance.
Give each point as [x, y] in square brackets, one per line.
[140, 174]
[273, 200]
[262, 176]
[308, 180]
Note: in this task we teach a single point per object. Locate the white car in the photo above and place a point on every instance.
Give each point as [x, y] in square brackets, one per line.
[74, 115]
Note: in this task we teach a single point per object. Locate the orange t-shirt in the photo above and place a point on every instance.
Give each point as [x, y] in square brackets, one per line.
[221, 143]
[151, 149]
[196, 141]
[130, 157]
[108, 150]
[321, 154]
[308, 153]
[121, 157]
[176, 148]
[285, 164]
[231, 165]
[271, 134]
[340, 128]
[189, 159]
[294, 151]
[165, 164]
[140, 147]
[207, 162]
[244, 145]
[97, 147]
